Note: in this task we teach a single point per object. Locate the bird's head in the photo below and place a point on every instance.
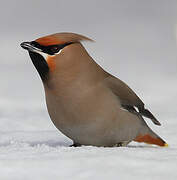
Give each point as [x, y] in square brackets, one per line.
[56, 51]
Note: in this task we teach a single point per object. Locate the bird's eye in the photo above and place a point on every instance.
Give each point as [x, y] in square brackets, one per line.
[55, 49]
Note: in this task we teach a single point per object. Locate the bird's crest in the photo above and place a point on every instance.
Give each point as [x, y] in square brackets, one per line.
[61, 38]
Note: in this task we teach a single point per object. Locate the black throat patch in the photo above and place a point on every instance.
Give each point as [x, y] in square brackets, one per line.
[40, 64]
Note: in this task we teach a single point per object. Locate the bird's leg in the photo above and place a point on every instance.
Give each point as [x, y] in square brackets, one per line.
[122, 144]
[75, 145]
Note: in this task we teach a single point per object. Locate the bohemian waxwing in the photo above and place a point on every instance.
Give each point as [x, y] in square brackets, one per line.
[86, 103]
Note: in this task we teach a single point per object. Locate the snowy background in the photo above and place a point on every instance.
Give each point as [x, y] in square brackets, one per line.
[135, 41]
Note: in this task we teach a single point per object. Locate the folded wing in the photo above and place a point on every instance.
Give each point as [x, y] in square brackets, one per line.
[129, 100]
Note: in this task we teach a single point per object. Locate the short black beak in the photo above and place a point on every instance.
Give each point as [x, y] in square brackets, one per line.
[28, 46]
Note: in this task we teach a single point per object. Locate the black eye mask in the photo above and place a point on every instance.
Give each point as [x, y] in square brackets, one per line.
[51, 50]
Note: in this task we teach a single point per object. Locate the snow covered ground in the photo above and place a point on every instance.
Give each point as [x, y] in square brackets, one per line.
[46, 155]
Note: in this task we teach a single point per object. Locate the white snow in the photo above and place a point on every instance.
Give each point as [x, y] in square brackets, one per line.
[45, 155]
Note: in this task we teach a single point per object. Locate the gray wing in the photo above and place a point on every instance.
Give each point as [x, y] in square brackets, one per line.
[129, 100]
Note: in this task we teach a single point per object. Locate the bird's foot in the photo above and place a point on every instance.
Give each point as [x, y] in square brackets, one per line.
[122, 144]
[75, 145]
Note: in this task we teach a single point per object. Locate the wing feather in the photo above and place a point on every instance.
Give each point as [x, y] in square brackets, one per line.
[128, 98]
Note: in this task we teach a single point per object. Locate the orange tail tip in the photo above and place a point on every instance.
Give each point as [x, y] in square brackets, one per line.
[151, 140]
[166, 145]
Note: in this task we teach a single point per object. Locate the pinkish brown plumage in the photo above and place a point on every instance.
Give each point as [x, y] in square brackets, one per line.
[86, 103]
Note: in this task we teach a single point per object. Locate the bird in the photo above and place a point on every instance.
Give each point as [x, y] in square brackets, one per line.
[85, 102]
